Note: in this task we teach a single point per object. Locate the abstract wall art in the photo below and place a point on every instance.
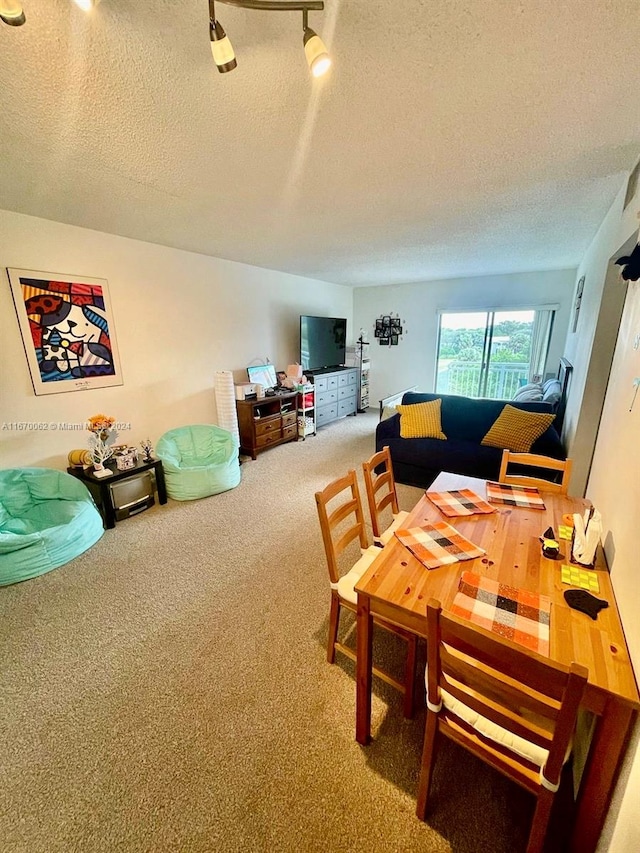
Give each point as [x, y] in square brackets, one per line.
[388, 330]
[67, 331]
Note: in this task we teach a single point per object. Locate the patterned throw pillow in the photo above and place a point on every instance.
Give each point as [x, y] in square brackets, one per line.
[515, 429]
[421, 420]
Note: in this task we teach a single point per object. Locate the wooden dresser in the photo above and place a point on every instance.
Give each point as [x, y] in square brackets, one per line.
[266, 422]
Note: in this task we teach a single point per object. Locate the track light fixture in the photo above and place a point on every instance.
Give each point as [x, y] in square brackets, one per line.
[12, 13]
[315, 51]
[221, 48]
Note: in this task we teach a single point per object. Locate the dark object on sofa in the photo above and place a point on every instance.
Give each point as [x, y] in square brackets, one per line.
[465, 422]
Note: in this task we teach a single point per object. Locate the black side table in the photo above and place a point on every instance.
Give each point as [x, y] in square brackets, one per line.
[101, 493]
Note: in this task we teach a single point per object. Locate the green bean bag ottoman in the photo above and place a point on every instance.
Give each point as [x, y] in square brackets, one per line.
[47, 518]
[198, 461]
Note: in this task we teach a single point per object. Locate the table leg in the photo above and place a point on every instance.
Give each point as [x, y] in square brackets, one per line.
[600, 774]
[364, 663]
[109, 513]
[160, 483]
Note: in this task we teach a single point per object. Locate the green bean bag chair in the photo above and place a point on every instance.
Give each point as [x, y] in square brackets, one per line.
[198, 461]
[47, 518]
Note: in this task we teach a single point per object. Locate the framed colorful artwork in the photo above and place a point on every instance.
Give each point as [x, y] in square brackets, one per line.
[67, 331]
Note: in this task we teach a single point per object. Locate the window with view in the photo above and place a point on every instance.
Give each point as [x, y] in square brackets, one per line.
[492, 353]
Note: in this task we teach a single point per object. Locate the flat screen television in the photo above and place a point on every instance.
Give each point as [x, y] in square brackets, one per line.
[322, 342]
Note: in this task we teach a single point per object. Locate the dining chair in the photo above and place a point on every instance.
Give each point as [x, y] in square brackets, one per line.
[512, 708]
[380, 486]
[533, 460]
[342, 523]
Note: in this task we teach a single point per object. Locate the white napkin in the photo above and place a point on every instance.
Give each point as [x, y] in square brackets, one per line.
[588, 531]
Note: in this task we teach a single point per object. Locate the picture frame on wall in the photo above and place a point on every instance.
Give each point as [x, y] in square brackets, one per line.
[577, 303]
[67, 330]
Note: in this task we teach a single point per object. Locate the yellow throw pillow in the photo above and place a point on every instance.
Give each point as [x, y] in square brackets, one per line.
[421, 420]
[515, 429]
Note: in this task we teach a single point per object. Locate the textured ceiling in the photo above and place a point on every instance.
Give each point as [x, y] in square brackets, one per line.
[452, 138]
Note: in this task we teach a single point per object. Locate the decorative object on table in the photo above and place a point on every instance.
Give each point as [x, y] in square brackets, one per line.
[389, 329]
[126, 458]
[580, 599]
[438, 544]
[67, 331]
[79, 458]
[575, 576]
[587, 530]
[460, 502]
[102, 437]
[523, 496]
[513, 613]
[147, 449]
[550, 545]
[630, 265]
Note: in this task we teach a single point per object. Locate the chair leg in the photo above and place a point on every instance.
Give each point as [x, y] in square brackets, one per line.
[410, 675]
[334, 620]
[540, 821]
[428, 761]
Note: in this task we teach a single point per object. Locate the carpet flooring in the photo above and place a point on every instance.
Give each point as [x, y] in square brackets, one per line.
[169, 691]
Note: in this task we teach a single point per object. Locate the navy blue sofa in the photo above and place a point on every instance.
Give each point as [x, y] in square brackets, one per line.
[465, 422]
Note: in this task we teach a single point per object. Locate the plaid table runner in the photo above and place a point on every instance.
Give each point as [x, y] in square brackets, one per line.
[438, 544]
[526, 496]
[513, 613]
[459, 502]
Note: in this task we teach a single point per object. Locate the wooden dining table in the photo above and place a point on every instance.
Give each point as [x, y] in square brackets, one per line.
[397, 587]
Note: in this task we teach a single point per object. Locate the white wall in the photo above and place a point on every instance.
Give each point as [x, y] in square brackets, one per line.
[590, 347]
[413, 361]
[179, 317]
[614, 488]
[618, 499]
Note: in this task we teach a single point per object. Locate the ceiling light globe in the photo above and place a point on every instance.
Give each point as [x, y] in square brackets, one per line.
[12, 13]
[223, 53]
[321, 65]
[318, 59]
[86, 5]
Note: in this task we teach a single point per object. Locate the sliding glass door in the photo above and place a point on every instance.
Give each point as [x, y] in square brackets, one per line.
[491, 353]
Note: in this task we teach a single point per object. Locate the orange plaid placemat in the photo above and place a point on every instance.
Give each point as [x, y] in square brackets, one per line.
[438, 544]
[526, 496]
[459, 502]
[513, 613]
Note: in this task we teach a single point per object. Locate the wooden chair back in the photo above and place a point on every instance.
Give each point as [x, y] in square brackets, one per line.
[525, 693]
[380, 487]
[533, 460]
[343, 521]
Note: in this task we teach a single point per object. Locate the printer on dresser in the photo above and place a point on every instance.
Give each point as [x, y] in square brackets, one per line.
[336, 393]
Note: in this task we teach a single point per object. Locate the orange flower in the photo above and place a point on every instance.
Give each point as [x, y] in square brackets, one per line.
[100, 423]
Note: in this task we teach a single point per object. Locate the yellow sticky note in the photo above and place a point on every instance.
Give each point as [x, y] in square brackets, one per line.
[575, 576]
[565, 532]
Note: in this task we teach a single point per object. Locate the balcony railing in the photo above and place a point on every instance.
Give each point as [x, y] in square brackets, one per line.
[503, 380]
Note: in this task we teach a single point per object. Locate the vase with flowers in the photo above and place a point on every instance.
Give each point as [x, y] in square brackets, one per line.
[101, 440]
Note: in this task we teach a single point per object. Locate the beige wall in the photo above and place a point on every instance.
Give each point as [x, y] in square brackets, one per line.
[179, 317]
